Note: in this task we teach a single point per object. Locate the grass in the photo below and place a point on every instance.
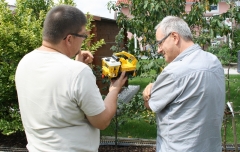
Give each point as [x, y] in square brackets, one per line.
[133, 129]
[232, 95]
[142, 129]
[233, 92]
[229, 129]
[143, 82]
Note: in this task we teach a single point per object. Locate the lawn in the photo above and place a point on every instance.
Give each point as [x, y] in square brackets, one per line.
[141, 129]
[133, 129]
[232, 95]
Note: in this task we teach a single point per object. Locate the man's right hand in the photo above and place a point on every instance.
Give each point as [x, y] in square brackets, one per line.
[117, 84]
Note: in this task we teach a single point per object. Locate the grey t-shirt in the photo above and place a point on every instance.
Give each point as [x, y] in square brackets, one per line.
[189, 100]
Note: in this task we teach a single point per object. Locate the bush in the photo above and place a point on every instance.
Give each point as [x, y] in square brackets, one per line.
[20, 33]
[224, 53]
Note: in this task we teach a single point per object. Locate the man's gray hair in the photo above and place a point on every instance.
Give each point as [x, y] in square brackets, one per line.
[175, 24]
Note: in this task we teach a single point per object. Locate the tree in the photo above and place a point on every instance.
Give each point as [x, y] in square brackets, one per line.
[20, 33]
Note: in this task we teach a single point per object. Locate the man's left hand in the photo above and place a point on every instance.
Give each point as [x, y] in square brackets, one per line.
[85, 57]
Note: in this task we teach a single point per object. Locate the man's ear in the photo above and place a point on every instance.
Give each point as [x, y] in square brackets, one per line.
[176, 37]
[69, 40]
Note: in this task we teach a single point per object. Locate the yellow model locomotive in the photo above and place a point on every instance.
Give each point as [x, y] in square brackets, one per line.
[113, 66]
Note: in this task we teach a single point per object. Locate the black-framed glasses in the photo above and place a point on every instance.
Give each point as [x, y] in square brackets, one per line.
[78, 35]
[162, 40]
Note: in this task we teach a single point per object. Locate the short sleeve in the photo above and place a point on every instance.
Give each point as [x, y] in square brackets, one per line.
[164, 91]
[87, 94]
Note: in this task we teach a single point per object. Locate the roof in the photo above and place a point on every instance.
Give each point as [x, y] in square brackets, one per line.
[128, 1]
[123, 1]
[192, 0]
[99, 18]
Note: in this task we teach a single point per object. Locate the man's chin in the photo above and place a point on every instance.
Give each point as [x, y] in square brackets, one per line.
[166, 60]
[77, 52]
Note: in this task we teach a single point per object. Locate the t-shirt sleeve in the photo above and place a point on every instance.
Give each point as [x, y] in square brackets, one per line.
[87, 94]
[163, 92]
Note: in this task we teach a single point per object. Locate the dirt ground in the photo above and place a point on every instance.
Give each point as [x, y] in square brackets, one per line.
[18, 141]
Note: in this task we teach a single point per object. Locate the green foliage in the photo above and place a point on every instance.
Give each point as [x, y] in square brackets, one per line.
[222, 52]
[236, 43]
[137, 111]
[119, 38]
[68, 2]
[86, 44]
[35, 5]
[21, 32]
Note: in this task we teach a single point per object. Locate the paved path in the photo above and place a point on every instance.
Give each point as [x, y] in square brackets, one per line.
[232, 70]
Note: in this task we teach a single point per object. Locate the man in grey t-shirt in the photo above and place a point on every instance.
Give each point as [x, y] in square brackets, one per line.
[61, 107]
[188, 97]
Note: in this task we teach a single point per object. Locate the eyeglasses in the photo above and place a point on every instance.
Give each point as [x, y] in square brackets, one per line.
[162, 40]
[78, 35]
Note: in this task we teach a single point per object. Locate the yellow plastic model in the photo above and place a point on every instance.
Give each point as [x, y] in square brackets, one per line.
[113, 66]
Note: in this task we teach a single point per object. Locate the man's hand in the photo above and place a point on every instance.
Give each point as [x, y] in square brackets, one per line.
[85, 57]
[147, 94]
[117, 84]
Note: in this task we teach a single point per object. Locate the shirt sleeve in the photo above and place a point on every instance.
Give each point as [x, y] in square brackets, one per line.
[87, 94]
[164, 91]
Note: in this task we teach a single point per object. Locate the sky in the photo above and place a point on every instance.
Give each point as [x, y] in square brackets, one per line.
[94, 7]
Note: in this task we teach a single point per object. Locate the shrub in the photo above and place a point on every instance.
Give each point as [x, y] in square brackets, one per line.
[224, 53]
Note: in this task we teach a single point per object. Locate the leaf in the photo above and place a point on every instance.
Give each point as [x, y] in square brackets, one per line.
[145, 4]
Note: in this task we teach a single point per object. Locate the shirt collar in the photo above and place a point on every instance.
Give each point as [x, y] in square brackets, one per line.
[187, 52]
